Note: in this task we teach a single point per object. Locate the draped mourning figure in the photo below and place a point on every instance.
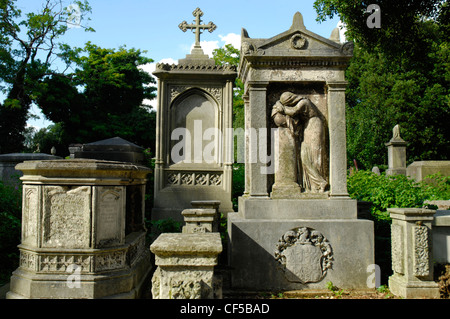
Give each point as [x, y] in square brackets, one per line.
[306, 126]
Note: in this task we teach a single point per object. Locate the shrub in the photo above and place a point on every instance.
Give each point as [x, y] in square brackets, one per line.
[396, 191]
[10, 229]
[388, 192]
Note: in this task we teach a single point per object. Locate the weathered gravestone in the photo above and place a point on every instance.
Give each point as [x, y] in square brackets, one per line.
[83, 233]
[193, 154]
[186, 261]
[296, 227]
[396, 153]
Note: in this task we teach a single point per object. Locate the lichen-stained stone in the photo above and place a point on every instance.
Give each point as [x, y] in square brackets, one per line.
[186, 266]
[82, 233]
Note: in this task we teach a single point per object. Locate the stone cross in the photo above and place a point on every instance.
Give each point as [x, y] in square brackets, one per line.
[198, 27]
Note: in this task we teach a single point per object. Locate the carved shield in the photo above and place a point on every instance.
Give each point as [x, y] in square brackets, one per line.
[305, 255]
[303, 263]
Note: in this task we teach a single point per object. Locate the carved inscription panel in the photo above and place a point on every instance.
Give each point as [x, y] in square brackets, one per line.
[110, 215]
[67, 217]
[30, 215]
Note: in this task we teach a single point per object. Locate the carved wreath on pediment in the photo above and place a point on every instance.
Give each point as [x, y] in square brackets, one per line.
[298, 42]
[304, 254]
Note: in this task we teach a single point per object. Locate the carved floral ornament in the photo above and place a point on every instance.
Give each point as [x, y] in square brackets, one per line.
[178, 89]
[304, 254]
[198, 66]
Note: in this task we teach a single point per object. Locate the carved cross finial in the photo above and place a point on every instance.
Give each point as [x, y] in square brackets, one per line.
[197, 27]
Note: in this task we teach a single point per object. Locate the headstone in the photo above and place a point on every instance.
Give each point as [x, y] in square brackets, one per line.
[376, 170]
[296, 227]
[396, 154]
[412, 255]
[194, 155]
[82, 227]
[112, 149]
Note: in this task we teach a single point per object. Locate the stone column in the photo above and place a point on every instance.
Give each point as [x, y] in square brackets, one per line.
[412, 260]
[256, 121]
[159, 147]
[246, 146]
[286, 167]
[337, 134]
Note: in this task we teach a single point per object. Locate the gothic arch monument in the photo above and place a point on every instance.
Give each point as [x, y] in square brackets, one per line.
[296, 227]
[193, 154]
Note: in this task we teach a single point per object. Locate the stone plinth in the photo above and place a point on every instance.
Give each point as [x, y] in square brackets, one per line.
[186, 266]
[412, 256]
[83, 233]
[259, 263]
[199, 220]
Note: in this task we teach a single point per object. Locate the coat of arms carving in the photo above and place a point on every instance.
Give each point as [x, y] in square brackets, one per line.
[305, 255]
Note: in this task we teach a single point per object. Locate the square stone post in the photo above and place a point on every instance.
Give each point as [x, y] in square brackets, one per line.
[412, 254]
[256, 120]
[186, 266]
[337, 134]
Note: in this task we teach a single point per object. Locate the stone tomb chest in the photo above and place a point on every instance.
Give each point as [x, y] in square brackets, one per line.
[83, 233]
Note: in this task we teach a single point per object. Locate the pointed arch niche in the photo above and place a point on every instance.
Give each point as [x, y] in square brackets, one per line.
[195, 127]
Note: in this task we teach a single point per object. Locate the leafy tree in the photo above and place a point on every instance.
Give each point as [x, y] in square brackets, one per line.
[102, 98]
[229, 55]
[399, 75]
[46, 139]
[10, 227]
[28, 47]
[401, 22]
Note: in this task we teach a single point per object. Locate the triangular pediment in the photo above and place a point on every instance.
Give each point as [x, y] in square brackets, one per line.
[297, 41]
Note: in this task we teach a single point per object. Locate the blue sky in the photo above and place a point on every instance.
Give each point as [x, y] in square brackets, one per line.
[153, 25]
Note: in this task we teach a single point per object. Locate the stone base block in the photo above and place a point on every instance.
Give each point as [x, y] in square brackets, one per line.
[186, 266]
[295, 254]
[66, 279]
[413, 289]
[306, 208]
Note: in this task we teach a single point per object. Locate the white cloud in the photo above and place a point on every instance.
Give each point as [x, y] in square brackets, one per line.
[231, 38]
[342, 29]
[208, 47]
